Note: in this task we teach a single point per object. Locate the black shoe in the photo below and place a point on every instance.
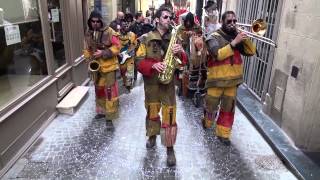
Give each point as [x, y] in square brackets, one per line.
[171, 158]
[99, 116]
[109, 124]
[203, 122]
[151, 142]
[128, 88]
[225, 141]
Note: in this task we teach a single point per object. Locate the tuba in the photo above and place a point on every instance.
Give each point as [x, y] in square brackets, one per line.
[94, 65]
[166, 76]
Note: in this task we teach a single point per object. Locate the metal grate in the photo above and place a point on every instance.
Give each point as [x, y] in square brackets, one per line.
[257, 69]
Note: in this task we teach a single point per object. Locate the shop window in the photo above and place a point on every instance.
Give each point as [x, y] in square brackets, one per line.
[22, 53]
[56, 32]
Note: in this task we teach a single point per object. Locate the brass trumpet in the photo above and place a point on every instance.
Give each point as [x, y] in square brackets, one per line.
[258, 29]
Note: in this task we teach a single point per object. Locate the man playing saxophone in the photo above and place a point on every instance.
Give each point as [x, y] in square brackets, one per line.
[105, 52]
[159, 96]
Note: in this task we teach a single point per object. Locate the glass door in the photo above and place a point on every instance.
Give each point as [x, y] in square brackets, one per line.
[22, 52]
[56, 32]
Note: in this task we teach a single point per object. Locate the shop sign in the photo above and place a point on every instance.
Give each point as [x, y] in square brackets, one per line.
[55, 15]
[12, 33]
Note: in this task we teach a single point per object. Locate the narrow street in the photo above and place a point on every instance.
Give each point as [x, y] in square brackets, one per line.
[78, 147]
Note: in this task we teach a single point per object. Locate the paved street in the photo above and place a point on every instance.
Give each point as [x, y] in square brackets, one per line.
[78, 147]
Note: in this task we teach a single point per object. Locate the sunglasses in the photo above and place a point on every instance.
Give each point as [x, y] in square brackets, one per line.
[166, 17]
[234, 21]
[95, 21]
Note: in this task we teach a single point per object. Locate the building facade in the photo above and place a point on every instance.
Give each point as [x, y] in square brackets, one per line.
[285, 79]
[293, 98]
[40, 62]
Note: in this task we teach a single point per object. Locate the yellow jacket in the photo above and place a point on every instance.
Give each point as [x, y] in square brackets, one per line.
[110, 46]
[225, 67]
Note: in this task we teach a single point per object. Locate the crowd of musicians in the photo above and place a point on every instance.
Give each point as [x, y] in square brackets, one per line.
[141, 43]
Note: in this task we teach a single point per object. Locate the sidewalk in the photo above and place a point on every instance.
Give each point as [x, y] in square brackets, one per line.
[298, 162]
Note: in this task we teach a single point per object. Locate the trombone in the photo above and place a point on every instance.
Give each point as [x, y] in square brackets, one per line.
[258, 28]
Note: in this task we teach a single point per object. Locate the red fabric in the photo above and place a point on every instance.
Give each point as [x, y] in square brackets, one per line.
[184, 58]
[100, 92]
[225, 119]
[115, 41]
[145, 66]
[178, 13]
[123, 70]
[196, 20]
[115, 90]
[236, 60]
[103, 92]
[164, 125]
[154, 119]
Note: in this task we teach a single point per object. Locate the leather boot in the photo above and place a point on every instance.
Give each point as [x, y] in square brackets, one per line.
[171, 158]
[203, 122]
[99, 116]
[151, 142]
[225, 141]
[128, 88]
[109, 124]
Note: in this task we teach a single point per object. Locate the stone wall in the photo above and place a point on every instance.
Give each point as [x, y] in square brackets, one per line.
[295, 82]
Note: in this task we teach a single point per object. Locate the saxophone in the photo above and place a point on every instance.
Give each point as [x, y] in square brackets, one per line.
[94, 65]
[166, 76]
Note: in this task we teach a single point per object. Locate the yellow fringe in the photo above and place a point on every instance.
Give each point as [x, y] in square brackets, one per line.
[225, 71]
[112, 106]
[154, 109]
[166, 114]
[223, 131]
[217, 92]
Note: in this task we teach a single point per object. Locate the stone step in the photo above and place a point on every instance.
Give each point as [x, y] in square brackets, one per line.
[69, 103]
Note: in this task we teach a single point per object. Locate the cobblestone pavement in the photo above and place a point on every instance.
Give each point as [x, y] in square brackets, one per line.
[78, 147]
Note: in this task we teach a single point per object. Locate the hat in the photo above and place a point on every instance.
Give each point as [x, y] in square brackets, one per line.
[95, 14]
[211, 3]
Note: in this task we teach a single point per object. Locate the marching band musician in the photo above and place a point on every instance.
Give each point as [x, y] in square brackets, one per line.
[106, 85]
[189, 32]
[225, 71]
[188, 29]
[159, 96]
[128, 42]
